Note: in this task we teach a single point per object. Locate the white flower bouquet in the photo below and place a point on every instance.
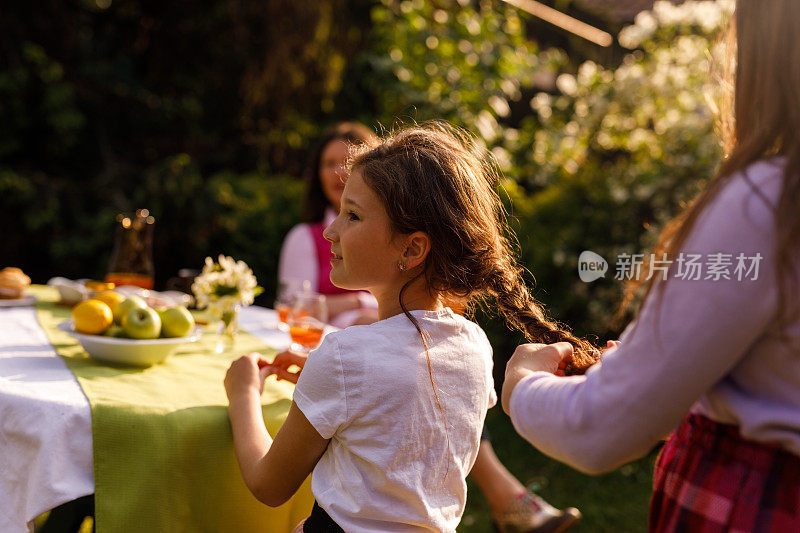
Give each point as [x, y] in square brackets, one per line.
[224, 287]
[225, 283]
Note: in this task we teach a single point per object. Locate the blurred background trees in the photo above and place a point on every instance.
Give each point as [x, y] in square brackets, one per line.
[204, 114]
[112, 106]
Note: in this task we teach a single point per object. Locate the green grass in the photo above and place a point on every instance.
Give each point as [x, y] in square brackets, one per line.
[615, 502]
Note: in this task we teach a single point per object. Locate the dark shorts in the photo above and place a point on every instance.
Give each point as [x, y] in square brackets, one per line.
[709, 479]
[320, 522]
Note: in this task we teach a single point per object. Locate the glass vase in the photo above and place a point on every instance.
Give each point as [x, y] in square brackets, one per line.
[227, 328]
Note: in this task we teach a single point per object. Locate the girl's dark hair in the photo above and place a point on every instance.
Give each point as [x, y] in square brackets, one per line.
[353, 133]
[432, 178]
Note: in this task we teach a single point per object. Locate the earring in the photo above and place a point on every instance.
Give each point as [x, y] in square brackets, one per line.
[401, 266]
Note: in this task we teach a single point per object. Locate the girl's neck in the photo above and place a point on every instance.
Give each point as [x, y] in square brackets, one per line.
[415, 298]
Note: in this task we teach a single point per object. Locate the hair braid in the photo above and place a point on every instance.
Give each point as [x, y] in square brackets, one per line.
[520, 309]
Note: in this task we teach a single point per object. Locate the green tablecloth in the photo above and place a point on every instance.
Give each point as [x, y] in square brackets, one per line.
[163, 449]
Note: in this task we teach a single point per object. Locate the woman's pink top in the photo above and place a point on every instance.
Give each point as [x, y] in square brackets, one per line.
[323, 249]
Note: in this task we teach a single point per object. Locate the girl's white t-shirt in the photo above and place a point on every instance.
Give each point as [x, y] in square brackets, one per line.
[389, 465]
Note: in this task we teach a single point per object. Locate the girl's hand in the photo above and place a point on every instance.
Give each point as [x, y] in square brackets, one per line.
[245, 374]
[612, 344]
[529, 358]
[280, 366]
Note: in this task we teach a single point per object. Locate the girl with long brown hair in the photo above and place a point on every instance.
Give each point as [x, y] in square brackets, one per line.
[513, 507]
[722, 345]
[389, 415]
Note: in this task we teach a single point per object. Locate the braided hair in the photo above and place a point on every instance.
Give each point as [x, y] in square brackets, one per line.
[433, 178]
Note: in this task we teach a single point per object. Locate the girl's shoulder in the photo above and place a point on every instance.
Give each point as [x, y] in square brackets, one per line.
[436, 324]
[472, 330]
[441, 318]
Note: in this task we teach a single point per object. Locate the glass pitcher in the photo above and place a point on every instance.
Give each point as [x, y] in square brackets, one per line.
[132, 258]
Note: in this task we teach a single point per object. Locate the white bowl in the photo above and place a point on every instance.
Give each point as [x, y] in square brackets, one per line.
[127, 351]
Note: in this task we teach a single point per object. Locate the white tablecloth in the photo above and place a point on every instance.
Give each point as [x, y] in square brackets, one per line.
[45, 419]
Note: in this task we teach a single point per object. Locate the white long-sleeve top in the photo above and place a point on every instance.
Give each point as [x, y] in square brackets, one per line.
[709, 346]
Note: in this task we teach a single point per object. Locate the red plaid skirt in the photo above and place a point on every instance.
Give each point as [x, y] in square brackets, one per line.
[709, 479]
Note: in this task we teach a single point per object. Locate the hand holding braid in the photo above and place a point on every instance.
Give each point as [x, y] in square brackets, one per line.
[521, 310]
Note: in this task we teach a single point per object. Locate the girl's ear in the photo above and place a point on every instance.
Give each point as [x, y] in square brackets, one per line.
[416, 249]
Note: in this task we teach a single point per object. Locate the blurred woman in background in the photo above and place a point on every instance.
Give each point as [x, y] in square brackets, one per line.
[305, 255]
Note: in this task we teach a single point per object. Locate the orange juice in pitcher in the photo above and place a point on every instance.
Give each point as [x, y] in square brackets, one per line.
[132, 259]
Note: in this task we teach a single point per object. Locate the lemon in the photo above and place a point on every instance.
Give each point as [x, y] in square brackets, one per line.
[92, 317]
[98, 286]
[110, 298]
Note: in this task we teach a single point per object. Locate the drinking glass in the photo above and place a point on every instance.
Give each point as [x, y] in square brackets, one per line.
[306, 321]
[284, 303]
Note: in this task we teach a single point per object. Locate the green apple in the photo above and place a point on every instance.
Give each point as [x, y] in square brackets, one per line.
[122, 308]
[160, 310]
[176, 322]
[114, 331]
[141, 323]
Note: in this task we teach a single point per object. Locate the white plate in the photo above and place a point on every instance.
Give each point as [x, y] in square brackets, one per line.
[133, 352]
[18, 302]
